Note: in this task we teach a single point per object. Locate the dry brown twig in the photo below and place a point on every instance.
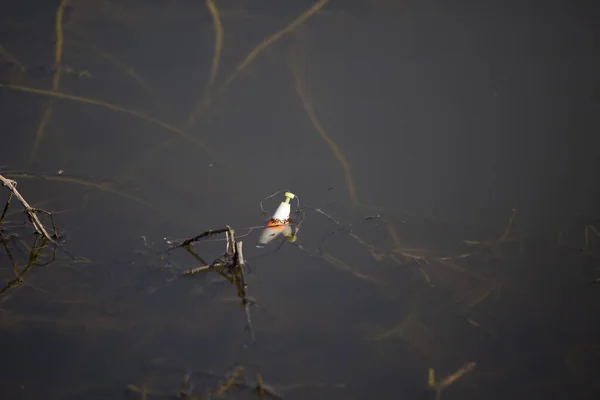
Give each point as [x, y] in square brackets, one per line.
[29, 210]
[231, 266]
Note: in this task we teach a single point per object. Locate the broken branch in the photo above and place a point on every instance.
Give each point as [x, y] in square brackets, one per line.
[30, 211]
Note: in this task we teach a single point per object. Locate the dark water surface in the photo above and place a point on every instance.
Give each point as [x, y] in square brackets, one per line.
[441, 121]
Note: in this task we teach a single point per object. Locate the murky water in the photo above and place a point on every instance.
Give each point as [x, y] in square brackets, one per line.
[444, 160]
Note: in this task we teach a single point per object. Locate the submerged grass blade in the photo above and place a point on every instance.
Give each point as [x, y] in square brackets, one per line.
[205, 100]
[107, 187]
[321, 131]
[112, 107]
[342, 266]
[58, 51]
[87, 100]
[271, 39]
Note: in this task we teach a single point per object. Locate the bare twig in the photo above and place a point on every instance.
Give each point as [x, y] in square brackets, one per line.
[231, 267]
[189, 241]
[30, 211]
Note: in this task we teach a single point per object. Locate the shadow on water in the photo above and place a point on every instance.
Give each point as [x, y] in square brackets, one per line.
[443, 242]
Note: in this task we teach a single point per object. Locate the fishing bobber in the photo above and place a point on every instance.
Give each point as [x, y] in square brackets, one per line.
[279, 223]
[282, 214]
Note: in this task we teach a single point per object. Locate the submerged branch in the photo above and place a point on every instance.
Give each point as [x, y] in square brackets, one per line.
[437, 387]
